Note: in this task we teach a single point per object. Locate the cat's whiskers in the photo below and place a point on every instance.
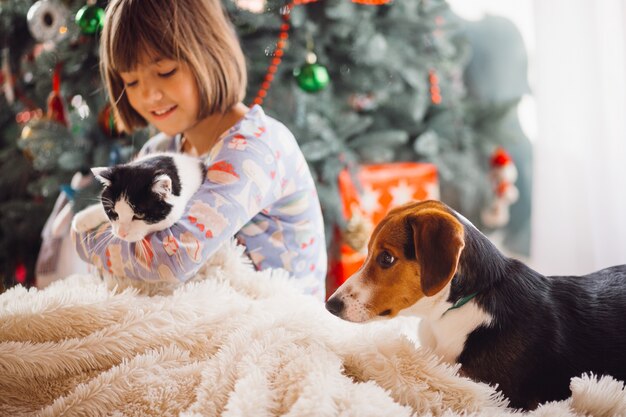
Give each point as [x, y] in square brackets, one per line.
[103, 243]
[92, 199]
[107, 237]
[88, 235]
[108, 205]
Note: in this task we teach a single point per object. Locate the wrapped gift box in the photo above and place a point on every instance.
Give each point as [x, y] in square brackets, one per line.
[382, 187]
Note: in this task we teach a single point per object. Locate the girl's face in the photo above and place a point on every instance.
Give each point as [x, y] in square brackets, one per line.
[164, 92]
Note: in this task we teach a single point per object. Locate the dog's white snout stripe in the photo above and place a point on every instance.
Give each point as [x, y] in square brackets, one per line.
[355, 304]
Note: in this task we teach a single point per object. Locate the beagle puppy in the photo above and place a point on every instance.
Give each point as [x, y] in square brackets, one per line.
[503, 322]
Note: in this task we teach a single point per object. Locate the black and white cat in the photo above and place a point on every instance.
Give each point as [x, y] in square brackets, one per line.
[143, 196]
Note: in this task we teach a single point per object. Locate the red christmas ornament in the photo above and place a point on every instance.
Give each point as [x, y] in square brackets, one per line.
[503, 175]
[56, 109]
[500, 158]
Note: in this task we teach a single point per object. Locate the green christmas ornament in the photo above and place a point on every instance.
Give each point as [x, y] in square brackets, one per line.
[311, 77]
[90, 19]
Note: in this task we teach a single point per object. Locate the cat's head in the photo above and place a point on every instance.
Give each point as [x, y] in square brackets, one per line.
[137, 200]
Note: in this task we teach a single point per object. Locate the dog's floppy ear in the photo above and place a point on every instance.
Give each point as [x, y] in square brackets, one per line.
[438, 238]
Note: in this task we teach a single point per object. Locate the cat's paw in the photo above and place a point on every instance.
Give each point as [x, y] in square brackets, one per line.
[89, 219]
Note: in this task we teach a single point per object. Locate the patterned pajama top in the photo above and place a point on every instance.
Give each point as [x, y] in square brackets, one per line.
[258, 188]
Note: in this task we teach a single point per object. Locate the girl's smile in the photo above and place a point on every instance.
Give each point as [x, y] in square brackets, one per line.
[163, 113]
[164, 93]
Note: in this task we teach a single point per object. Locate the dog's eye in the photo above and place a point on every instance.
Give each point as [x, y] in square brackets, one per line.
[385, 259]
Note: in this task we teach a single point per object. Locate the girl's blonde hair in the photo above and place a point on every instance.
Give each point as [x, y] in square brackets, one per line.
[197, 32]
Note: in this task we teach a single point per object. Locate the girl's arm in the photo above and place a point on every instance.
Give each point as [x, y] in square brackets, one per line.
[243, 178]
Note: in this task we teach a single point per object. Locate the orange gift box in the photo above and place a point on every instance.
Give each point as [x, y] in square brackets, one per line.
[383, 187]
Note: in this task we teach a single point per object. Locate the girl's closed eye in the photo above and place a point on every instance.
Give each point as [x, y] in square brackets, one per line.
[168, 73]
[129, 80]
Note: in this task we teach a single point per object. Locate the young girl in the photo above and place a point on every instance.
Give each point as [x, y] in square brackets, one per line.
[178, 65]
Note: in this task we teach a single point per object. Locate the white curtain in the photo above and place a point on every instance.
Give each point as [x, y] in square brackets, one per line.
[579, 85]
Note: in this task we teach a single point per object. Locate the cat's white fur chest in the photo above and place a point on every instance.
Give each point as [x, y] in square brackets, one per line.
[191, 178]
[189, 172]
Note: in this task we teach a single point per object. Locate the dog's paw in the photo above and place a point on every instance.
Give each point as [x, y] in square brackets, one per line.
[89, 219]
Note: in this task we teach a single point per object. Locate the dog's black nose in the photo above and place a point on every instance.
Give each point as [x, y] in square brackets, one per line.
[334, 305]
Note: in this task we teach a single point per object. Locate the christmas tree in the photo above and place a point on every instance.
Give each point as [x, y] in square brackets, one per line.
[54, 120]
[356, 81]
[391, 81]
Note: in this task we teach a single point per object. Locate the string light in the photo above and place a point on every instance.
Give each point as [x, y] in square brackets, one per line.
[283, 36]
[372, 2]
[435, 92]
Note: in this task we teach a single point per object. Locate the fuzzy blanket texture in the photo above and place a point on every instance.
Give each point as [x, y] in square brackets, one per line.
[234, 342]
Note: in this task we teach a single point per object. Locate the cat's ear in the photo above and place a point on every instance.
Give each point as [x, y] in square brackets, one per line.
[102, 174]
[162, 185]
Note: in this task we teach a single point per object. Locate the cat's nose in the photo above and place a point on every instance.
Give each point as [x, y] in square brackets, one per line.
[122, 230]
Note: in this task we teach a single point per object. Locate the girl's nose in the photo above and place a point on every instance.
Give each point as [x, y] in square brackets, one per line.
[152, 93]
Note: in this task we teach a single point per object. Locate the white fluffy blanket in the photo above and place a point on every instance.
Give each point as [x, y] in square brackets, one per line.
[234, 343]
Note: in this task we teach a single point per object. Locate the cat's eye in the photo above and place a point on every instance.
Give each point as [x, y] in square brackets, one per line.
[385, 259]
[139, 216]
[112, 214]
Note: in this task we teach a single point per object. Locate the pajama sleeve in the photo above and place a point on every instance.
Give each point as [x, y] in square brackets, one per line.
[242, 180]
